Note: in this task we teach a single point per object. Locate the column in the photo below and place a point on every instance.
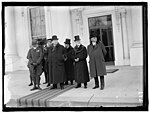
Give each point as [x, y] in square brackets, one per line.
[10, 39]
[10, 44]
[48, 22]
[125, 37]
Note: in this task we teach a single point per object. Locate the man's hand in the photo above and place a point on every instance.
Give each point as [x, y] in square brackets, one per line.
[77, 59]
[35, 64]
[65, 59]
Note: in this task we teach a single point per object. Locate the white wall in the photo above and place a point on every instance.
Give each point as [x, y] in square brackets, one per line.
[11, 54]
[136, 49]
[22, 36]
[58, 22]
[61, 23]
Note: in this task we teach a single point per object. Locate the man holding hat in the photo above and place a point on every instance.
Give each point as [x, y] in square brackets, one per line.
[81, 69]
[56, 65]
[69, 67]
[35, 64]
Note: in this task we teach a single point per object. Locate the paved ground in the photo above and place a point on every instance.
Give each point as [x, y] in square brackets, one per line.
[122, 88]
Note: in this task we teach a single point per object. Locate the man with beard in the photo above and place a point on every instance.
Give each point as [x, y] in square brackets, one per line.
[69, 68]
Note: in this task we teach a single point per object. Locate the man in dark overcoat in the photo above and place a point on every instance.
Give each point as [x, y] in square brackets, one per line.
[80, 68]
[69, 67]
[35, 64]
[56, 65]
[48, 45]
[96, 52]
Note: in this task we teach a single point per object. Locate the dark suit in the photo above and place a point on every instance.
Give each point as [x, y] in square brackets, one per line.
[96, 59]
[56, 65]
[81, 69]
[69, 67]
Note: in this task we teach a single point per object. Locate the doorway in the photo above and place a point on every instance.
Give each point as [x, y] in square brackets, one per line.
[101, 26]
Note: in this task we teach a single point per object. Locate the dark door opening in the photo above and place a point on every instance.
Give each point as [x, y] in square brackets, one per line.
[101, 26]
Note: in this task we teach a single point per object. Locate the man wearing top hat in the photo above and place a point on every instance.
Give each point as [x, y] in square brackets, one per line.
[56, 65]
[80, 69]
[35, 64]
[69, 68]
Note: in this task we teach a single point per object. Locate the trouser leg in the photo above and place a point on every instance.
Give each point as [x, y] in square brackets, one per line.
[85, 84]
[54, 86]
[96, 81]
[71, 81]
[34, 81]
[78, 85]
[31, 79]
[66, 83]
[62, 85]
[102, 82]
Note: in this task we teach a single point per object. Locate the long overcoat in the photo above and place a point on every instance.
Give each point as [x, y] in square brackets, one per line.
[80, 68]
[56, 65]
[69, 63]
[96, 59]
[35, 56]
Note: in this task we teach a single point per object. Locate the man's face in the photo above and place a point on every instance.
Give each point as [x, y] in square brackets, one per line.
[94, 39]
[66, 45]
[77, 42]
[35, 45]
[55, 42]
[49, 42]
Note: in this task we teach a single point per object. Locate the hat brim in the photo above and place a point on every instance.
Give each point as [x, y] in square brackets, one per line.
[76, 40]
[54, 39]
[66, 42]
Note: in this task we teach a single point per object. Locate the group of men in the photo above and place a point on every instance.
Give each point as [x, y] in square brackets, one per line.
[62, 65]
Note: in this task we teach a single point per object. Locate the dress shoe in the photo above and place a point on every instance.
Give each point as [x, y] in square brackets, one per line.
[77, 86]
[34, 88]
[71, 83]
[45, 83]
[85, 87]
[30, 84]
[61, 87]
[101, 88]
[95, 87]
[48, 85]
[66, 83]
[53, 88]
[39, 88]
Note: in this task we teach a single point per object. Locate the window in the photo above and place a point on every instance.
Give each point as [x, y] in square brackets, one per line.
[37, 22]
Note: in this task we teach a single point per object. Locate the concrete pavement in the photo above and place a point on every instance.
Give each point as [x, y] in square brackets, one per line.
[122, 88]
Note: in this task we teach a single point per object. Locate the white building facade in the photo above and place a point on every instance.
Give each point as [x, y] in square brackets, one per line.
[118, 27]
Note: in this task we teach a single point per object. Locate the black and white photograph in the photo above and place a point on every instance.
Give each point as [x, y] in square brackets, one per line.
[74, 55]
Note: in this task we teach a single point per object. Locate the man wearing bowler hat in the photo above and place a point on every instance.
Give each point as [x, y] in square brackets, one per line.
[80, 69]
[56, 65]
[69, 68]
